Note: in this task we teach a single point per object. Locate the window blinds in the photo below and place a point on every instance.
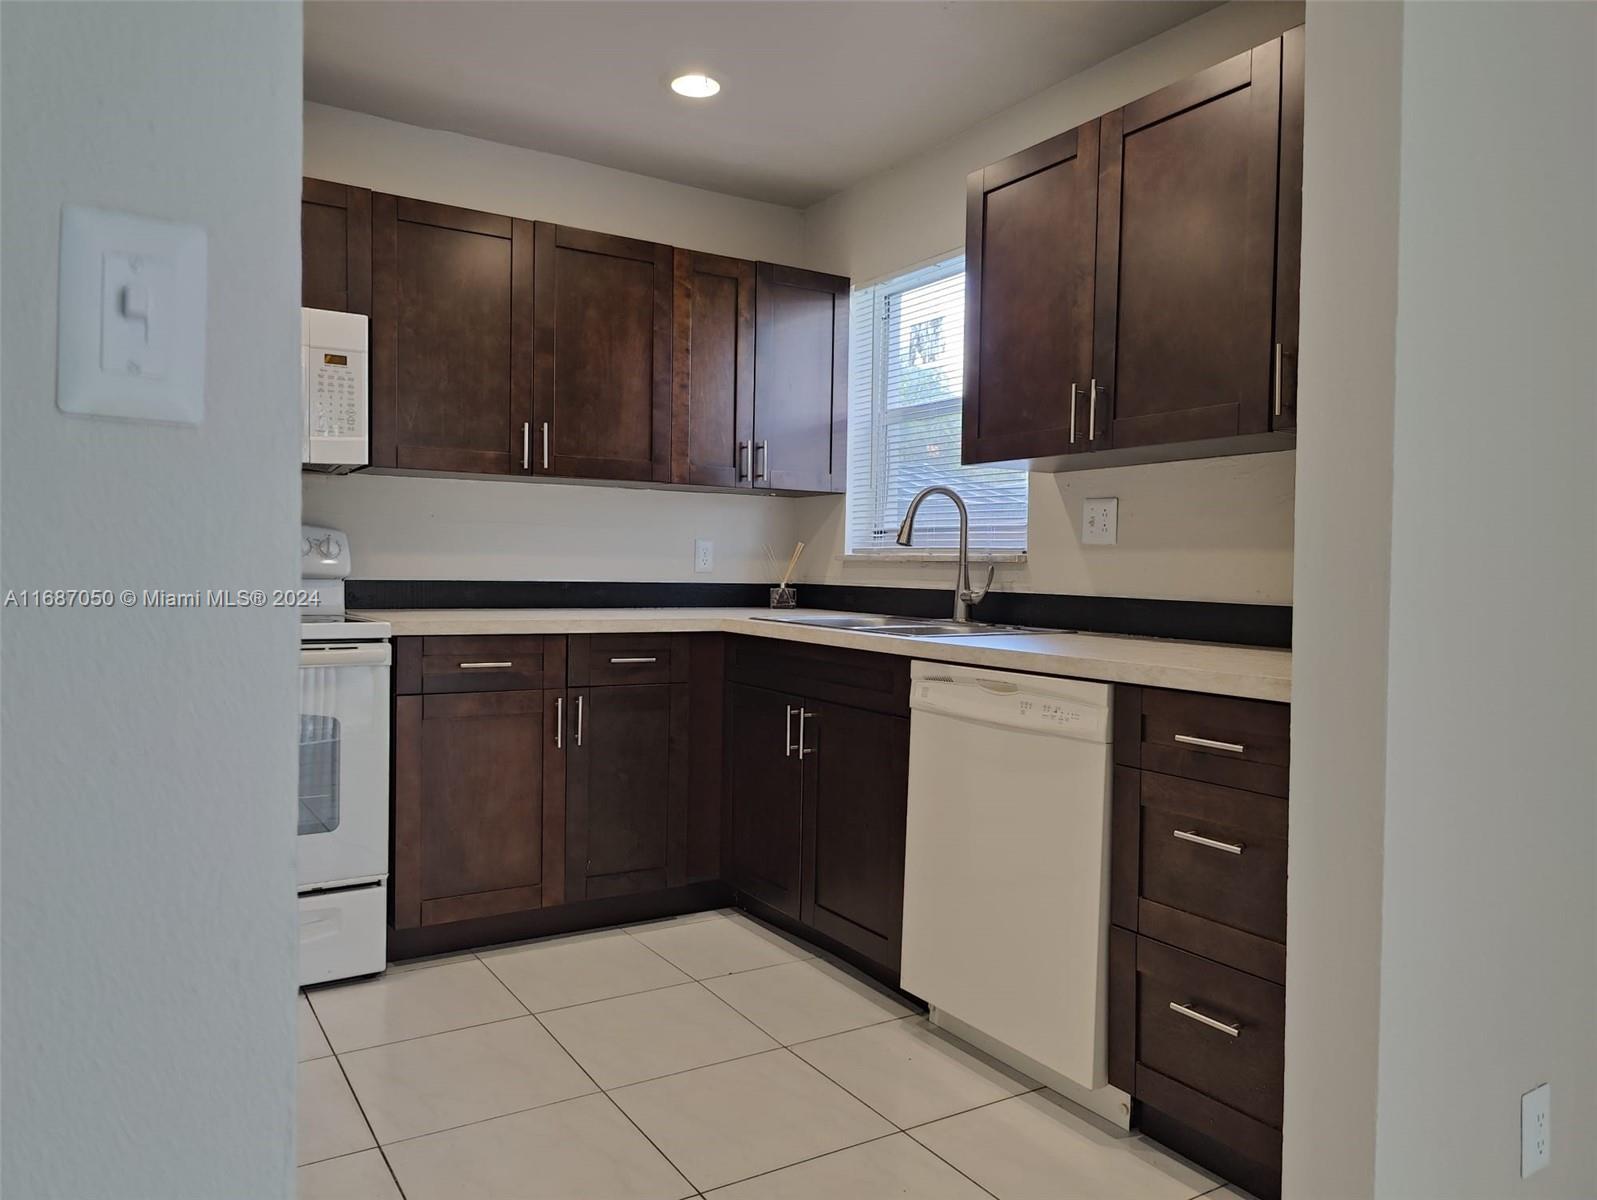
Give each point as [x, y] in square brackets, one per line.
[906, 378]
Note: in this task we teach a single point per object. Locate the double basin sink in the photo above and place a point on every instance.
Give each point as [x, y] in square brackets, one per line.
[903, 626]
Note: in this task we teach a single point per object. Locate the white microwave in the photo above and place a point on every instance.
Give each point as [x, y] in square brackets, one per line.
[334, 392]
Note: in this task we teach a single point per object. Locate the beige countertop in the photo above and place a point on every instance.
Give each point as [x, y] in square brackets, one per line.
[1249, 671]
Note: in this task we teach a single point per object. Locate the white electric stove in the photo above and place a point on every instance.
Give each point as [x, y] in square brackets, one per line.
[343, 772]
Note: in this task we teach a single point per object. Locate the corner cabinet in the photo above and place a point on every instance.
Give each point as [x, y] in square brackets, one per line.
[817, 791]
[800, 380]
[1175, 334]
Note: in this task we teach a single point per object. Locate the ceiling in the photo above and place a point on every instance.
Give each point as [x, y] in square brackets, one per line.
[816, 94]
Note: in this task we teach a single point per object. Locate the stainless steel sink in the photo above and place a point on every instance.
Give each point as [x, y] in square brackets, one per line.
[903, 626]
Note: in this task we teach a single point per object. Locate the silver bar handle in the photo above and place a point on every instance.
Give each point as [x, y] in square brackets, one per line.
[579, 721]
[1197, 839]
[1230, 1029]
[802, 748]
[1073, 390]
[787, 738]
[1210, 744]
[1276, 385]
[526, 445]
[1092, 413]
[560, 722]
[485, 666]
[634, 660]
[546, 445]
[764, 462]
[745, 461]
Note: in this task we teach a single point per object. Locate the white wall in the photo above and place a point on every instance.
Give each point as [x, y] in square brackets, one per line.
[1441, 897]
[408, 528]
[146, 1016]
[1213, 530]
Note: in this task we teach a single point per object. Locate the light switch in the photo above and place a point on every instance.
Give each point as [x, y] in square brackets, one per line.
[131, 314]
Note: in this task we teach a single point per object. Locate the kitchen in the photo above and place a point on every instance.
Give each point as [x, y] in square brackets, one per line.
[833, 611]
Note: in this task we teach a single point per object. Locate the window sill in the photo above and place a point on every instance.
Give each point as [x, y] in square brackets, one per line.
[877, 558]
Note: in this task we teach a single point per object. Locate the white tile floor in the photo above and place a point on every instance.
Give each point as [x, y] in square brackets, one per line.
[702, 1056]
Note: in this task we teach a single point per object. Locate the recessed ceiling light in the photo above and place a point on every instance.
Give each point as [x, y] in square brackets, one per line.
[695, 87]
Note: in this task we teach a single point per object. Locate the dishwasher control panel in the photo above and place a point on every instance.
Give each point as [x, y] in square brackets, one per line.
[1072, 708]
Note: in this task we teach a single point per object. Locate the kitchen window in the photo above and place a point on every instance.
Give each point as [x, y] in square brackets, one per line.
[906, 382]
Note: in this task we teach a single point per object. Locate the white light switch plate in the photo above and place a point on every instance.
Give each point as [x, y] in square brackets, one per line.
[130, 338]
[1100, 520]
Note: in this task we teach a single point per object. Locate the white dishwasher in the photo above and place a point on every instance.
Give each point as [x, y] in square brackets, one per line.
[1006, 888]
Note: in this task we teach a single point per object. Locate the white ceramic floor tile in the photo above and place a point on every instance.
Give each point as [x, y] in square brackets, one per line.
[708, 914]
[632, 1038]
[412, 1004]
[576, 970]
[363, 1176]
[794, 1002]
[328, 1120]
[887, 1167]
[457, 1078]
[724, 1123]
[1036, 1147]
[705, 949]
[433, 960]
[575, 1150]
[311, 1042]
[911, 1072]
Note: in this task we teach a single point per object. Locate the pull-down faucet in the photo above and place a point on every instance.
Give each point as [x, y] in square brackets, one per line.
[964, 594]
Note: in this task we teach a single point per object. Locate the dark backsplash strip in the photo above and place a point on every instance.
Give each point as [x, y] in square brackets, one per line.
[1189, 620]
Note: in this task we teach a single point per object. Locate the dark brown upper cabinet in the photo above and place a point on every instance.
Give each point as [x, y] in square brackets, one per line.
[800, 381]
[335, 241]
[1030, 239]
[712, 347]
[1186, 256]
[451, 352]
[1158, 319]
[601, 397]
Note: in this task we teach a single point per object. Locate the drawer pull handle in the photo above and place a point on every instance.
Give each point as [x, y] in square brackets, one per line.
[1230, 1029]
[1210, 744]
[1197, 839]
[486, 666]
[633, 660]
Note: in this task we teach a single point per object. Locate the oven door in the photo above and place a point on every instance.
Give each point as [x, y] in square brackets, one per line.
[343, 763]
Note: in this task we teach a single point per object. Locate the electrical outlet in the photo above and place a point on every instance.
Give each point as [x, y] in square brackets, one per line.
[703, 555]
[1535, 1116]
[1100, 521]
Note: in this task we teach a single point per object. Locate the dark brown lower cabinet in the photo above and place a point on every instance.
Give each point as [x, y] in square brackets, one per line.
[476, 777]
[817, 793]
[626, 789]
[765, 796]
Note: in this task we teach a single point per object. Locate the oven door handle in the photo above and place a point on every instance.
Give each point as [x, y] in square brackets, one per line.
[369, 654]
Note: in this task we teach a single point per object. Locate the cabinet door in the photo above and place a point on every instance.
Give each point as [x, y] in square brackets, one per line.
[1187, 201]
[335, 243]
[1031, 228]
[800, 380]
[626, 789]
[712, 350]
[1289, 249]
[451, 338]
[602, 387]
[855, 812]
[472, 775]
[765, 778]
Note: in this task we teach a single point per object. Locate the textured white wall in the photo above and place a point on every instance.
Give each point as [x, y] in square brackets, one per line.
[146, 1012]
[1440, 895]
[408, 528]
[1214, 530]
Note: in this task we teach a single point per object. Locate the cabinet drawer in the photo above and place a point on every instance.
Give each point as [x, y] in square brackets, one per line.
[1218, 739]
[491, 664]
[1215, 852]
[1211, 1028]
[860, 678]
[608, 659]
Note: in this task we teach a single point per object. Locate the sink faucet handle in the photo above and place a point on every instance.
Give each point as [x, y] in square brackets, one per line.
[976, 595]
